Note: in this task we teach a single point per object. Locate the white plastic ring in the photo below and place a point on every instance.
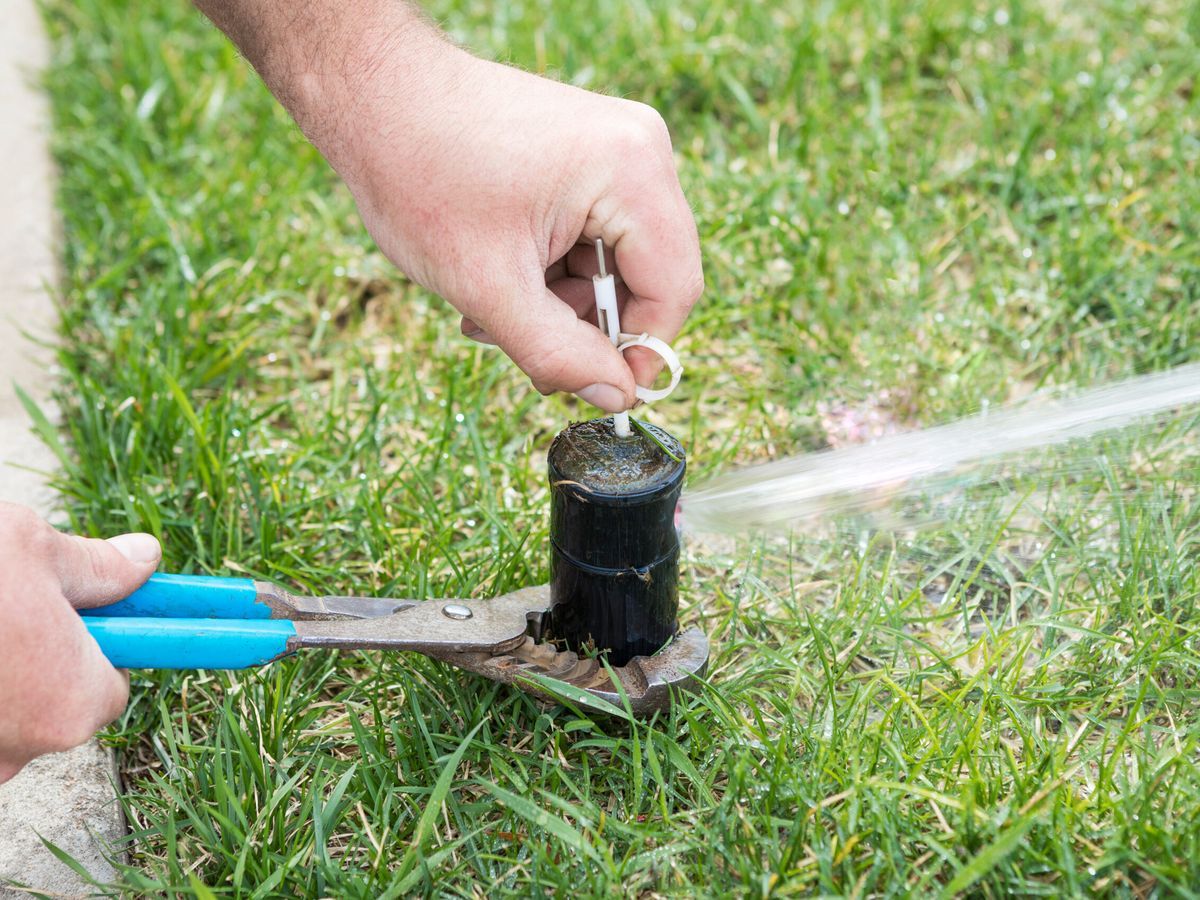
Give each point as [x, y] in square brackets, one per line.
[663, 349]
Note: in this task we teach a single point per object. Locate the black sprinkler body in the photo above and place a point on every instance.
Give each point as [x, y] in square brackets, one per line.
[614, 547]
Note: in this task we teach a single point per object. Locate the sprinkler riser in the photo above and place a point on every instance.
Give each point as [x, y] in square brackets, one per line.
[614, 548]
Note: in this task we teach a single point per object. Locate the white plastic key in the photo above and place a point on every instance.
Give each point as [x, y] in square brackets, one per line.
[608, 318]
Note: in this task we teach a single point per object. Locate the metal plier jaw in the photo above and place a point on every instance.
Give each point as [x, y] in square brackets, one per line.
[191, 622]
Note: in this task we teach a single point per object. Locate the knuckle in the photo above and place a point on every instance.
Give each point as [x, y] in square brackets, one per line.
[653, 123]
[644, 132]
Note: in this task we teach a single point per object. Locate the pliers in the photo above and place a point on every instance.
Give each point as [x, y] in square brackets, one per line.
[209, 622]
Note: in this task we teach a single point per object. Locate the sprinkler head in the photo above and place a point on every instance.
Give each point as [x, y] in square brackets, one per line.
[614, 548]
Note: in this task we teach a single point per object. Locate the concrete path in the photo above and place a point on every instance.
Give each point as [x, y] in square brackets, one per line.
[67, 798]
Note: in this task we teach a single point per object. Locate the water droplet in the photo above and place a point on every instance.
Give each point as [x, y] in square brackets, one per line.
[470, 523]
[1027, 252]
[1050, 154]
[1000, 17]
[271, 357]
[1085, 79]
[844, 208]
[459, 417]
[237, 432]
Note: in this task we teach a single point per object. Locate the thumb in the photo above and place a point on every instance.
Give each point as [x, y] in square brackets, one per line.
[561, 352]
[93, 572]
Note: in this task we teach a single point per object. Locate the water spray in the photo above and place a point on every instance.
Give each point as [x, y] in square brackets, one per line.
[817, 486]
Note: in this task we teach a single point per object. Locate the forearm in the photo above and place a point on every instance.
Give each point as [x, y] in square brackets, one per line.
[330, 63]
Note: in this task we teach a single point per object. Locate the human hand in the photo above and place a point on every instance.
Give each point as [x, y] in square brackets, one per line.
[495, 203]
[489, 185]
[56, 687]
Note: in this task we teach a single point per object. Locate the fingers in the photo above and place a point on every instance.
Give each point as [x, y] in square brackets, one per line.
[664, 285]
[581, 261]
[580, 295]
[657, 252]
[559, 351]
[56, 687]
[93, 572]
[577, 293]
[103, 693]
[472, 330]
[112, 687]
[77, 692]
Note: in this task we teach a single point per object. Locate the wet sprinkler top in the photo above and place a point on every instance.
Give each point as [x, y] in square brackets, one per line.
[592, 456]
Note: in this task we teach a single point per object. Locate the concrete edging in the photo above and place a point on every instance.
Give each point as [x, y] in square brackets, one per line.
[67, 798]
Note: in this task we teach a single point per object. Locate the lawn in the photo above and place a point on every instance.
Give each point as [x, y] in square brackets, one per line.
[907, 210]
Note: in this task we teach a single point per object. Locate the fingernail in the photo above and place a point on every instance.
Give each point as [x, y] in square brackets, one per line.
[481, 337]
[138, 548]
[605, 396]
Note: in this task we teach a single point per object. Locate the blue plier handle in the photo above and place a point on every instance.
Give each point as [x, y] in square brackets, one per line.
[208, 622]
[190, 622]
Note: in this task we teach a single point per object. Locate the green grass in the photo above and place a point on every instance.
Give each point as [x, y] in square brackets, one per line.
[949, 201]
